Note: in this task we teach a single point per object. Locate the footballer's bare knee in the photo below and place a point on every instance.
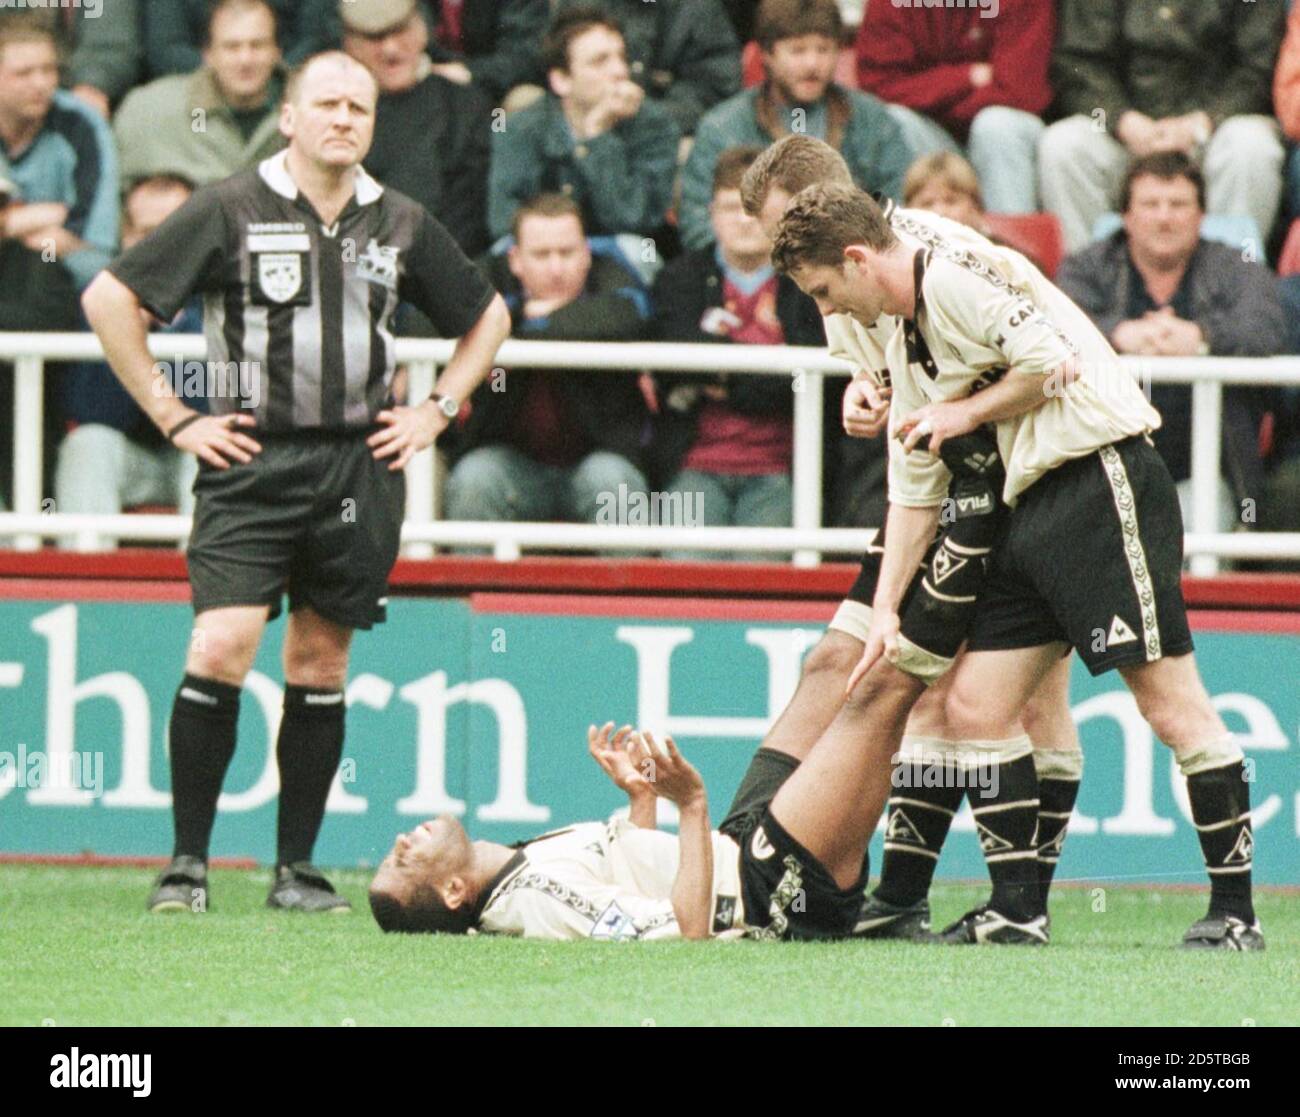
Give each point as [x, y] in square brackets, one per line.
[1172, 699]
[835, 654]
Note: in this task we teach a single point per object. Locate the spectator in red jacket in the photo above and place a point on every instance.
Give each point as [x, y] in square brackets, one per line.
[955, 76]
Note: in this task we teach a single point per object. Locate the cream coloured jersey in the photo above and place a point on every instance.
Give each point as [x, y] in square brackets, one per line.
[983, 310]
[604, 880]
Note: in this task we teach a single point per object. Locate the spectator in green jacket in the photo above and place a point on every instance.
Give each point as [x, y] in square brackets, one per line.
[594, 137]
[222, 118]
[683, 53]
[800, 42]
[1148, 76]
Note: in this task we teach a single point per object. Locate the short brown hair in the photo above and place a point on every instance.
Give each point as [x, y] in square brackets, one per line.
[946, 167]
[1164, 165]
[31, 26]
[822, 221]
[788, 19]
[729, 170]
[791, 164]
[546, 205]
[567, 26]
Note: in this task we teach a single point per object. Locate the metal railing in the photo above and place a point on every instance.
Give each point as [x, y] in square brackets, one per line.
[806, 539]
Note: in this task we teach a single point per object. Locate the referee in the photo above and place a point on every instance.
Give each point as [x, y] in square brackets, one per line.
[302, 262]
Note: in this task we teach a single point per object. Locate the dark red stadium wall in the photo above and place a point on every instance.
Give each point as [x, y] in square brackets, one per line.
[153, 575]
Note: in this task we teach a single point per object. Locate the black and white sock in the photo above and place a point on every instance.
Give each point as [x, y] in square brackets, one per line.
[1059, 772]
[1220, 800]
[922, 803]
[201, 741]
[1006, 820]
[308, 752]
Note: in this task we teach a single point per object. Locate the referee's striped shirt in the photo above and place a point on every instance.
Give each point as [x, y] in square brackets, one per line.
[298, 314]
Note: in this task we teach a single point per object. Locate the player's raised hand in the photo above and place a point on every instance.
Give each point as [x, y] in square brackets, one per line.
[865, 408]
[611, 753]
[882, 640]
[407, 431]
[670, 774]
[216, 438]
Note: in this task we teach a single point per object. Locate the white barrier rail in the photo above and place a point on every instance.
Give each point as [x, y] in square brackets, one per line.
[805, 366]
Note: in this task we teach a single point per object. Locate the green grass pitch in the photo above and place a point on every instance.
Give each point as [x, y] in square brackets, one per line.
[78, 949]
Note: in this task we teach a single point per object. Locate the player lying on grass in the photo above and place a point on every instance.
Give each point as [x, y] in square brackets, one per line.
[788, 864]
[790, 868]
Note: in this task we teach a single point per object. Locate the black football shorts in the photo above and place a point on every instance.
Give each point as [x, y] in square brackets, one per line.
[1091, 555]
[313, 514]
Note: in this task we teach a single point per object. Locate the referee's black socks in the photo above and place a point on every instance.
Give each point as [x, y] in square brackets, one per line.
[1220, 801]
[308, 752]
[201, 741]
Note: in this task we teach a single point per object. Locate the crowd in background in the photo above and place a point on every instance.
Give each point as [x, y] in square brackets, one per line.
[590, 156]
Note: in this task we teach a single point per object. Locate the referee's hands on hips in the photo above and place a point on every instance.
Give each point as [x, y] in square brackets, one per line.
[215, 438]
[407, 431]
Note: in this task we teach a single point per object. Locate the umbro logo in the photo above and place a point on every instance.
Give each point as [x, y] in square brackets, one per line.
[1120, 633]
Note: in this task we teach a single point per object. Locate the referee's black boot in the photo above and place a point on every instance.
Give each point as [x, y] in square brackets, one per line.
[182, 886]
[303, 887]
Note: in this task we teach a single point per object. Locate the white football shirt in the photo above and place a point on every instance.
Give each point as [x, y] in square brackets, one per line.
[605, 880]
[986, 309]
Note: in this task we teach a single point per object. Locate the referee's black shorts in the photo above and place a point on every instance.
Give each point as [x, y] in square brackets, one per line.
[314, 514]
[1091, 555]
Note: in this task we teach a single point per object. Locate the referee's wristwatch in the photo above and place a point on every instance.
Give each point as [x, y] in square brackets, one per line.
[448, 406]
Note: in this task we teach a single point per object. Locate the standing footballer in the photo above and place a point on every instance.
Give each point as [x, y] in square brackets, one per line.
[1091, 554]
[302, 263]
